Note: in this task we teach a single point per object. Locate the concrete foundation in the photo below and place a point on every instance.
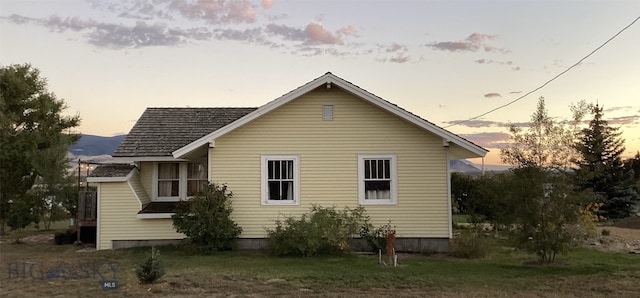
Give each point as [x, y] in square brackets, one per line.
[402, 244]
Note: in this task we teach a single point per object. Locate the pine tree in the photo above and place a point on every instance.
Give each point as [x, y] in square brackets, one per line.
[601, 169]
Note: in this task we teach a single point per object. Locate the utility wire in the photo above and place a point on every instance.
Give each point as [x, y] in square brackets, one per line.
[549, 81]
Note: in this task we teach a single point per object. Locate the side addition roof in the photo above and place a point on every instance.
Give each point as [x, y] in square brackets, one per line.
[111, 173]
[160, 131]
[330, 79]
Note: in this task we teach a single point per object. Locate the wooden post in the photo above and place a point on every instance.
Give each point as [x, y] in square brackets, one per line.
[391, 246]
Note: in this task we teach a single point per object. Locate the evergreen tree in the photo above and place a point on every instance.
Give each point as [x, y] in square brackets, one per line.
[601, 169]
[33, 142]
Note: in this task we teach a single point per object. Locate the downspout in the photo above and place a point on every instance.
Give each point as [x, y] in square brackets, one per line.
[212, 145]
[445, 144]
[98, 217]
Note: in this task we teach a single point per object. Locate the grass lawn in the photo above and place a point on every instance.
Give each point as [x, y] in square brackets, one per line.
[27, 270]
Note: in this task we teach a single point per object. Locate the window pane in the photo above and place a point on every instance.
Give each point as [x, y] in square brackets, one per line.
[195, 186]
[374, 169]
[168, 171]
[168, 188]
[287, 190]
[196, 171]
[274, 190]
[387, 169]
[367, 169]
[377, 190]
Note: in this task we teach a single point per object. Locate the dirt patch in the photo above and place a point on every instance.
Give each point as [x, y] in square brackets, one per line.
[38, 239]
[620, 236]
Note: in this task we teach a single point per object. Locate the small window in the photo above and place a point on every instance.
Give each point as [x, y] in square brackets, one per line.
[377, 179]
[280, 180]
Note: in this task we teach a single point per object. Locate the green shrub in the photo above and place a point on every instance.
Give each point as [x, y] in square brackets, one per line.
[471, 244]
[323, 231]
[206, 220]
[151, 270]
[376, 237]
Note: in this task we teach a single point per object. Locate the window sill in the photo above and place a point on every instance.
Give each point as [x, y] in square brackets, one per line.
[377, 202]
[154, 215]
[280, 203]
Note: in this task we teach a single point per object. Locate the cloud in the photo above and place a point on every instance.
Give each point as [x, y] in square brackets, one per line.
[488, 139]
[348, 30]
[216, 12]
[485, 123]
[162, 23]
[613, 109]
[266, 4]
[317, 33]
[140, 35]
[625, 120]
[473, 43]
[492, 95]
[395, 53]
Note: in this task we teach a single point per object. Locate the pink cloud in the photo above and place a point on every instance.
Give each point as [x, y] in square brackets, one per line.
[317, 33]
[266, 4]
[349, 30]
[473, 43]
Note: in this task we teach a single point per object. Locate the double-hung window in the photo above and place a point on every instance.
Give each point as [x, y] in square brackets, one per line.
[196, 178]
[169, 180]
[174, 181]
[377, 179]
[280, 180]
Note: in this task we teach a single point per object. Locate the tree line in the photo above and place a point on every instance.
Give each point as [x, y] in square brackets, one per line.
[565, 177]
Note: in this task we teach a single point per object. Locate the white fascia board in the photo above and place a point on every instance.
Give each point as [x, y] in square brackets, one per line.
[154, 215]
[106, 179]
[145, 158]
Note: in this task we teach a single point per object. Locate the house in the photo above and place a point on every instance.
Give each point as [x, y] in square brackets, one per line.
[328, 142]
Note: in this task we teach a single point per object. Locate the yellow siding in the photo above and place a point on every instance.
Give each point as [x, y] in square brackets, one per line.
[137, 187]
[328, 160]
[146, 176]
[118, 221]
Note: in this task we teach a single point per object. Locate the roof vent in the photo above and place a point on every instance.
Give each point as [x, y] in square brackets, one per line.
[327, 112]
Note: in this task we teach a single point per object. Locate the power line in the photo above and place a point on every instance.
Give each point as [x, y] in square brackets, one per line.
[549, 81]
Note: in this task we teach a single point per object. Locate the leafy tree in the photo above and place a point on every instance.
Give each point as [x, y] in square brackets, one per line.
[545, 209]
[546, 143]
[206, 220]
[32, 135]
[601, 169]
[548, 212]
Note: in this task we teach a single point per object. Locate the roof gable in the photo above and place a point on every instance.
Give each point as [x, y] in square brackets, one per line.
[160, 131]
[328, 80]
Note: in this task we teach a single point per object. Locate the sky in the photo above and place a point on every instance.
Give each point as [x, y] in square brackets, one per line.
[445, 61]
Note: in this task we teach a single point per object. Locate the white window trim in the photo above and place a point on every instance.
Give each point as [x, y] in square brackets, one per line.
[394, 179]
[264, 186]
[182, 184]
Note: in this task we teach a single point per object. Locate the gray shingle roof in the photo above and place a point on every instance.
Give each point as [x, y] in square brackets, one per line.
[112, 170]
[160, 131]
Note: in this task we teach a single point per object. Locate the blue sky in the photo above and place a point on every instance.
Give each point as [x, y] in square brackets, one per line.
[442, 60]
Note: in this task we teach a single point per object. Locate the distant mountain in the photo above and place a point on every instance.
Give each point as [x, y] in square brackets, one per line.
[463, 166]
[90, 145]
